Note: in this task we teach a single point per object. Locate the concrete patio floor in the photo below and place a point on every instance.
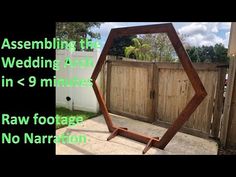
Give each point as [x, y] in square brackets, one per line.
[96, 133]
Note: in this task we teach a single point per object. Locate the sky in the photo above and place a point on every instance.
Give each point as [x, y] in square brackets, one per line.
[197, 33]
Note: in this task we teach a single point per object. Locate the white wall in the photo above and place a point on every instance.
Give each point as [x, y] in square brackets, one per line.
[82, 97]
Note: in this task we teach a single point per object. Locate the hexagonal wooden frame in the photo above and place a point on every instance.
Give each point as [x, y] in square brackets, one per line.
[200, 92]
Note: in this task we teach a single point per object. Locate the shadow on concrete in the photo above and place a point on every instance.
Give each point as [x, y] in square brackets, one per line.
[80, 130]
[72, 146]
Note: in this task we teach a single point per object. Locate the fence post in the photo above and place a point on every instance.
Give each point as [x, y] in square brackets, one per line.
[218, 106]
[108, 84]
[228, 103]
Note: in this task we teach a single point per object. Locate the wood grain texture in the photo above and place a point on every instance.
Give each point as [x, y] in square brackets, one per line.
[175, 91]
[129, 90]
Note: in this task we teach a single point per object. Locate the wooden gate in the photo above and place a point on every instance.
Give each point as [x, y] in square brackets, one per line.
[157, 93]
[128, 91]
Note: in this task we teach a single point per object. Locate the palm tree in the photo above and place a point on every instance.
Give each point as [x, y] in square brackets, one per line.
[140, 50]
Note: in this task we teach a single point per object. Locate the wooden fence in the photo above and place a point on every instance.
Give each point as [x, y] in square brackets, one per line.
[228, 132]
[158, 92]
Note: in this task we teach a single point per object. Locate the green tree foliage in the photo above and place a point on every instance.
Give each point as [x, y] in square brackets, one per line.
[221, 53]
[161, 47]
[217, 53]
[193, 54]
[157, 47]
[76, 30]
[119, 44]
[139, 49]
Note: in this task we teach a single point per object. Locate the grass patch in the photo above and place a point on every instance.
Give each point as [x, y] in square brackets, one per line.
[63, 112]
